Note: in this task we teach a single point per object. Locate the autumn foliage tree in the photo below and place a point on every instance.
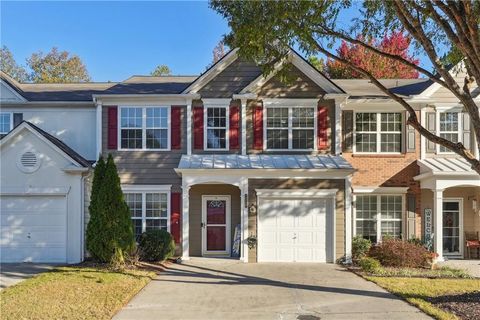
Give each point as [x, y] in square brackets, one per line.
[380, 67]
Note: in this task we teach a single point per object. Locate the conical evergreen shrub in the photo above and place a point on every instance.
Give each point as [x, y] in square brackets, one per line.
[117, 211]
[110, 231]
[96, 242]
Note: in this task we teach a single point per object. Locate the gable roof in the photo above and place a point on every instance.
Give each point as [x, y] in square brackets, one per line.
[60, 145]
[365, 88]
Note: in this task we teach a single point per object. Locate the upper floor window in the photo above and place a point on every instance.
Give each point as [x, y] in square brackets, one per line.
[144, 128]
[378, 215]
[216, 137]
[148, 210]
[449, 128]
[290, 128]
[378, 132]
[6, 122]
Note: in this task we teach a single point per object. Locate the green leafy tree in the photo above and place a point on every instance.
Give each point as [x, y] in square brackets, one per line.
[110, 231]
[57, 67]
[10, 66]
[317, 27]
[317, 62]
[161, 70]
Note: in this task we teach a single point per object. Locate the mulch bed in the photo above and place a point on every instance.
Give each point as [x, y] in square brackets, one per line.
[465, 306]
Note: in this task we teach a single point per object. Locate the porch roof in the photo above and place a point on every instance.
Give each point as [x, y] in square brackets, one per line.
[234, 161]
[445, 166]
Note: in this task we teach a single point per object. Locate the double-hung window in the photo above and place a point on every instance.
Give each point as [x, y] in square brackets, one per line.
[449, 128]
[378, 132]
[216, 128]
[144, 128]
[290, 128]
[378, 215]
[6, 122]
[148, 210]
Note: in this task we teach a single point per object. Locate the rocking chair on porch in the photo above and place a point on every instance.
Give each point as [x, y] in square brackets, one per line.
[472, 242]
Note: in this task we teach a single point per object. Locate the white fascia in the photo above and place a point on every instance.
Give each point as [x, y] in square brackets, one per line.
[381, 190]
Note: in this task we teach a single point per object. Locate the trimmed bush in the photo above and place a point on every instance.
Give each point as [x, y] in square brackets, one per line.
[402, 254]
[360, 247]
[370, 265]
[156, 245]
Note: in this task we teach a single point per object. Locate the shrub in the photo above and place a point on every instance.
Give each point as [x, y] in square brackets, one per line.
[156, 245]
[370, 265]
[360, 247]
[110, 230]
[398, 253]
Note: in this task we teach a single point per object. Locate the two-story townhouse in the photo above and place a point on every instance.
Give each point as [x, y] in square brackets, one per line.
[235, 163]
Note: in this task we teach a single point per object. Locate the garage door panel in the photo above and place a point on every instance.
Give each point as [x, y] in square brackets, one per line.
[33, 228]
[299, 227]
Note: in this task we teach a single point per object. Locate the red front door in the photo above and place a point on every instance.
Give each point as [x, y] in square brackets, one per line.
[216, 224]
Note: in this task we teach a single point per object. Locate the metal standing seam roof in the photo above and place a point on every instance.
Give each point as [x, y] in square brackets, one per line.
[263, 162]
[445, 165]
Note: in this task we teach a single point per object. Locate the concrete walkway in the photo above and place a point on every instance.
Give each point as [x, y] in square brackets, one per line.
[13, 273]
[470, 266]
[227, 289]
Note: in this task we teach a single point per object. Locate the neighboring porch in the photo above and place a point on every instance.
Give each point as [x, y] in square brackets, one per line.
[451, 207]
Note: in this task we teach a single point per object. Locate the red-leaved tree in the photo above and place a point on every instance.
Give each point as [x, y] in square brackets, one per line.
[380, 67]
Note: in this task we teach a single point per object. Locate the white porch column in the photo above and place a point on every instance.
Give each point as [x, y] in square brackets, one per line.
[244, 219]
[98, 129]
[244, 126]
[348, 219]
[438, 223]
[185, 222]
[338, 126]
[189, 127]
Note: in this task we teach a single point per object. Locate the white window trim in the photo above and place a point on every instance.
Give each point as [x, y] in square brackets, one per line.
[378, 133]
[227, 128]
[290, 128]
[144, 128]
[438, 132]
[378, 217]
[144, 189]
[11, 121]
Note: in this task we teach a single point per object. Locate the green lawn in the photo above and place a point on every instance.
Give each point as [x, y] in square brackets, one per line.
[418, 290]
[72, 293]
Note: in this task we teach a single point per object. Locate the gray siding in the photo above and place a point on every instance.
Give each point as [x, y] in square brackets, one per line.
[298, 85]
[300, 184]
[231, 80]
[195, 214]
[146, 167]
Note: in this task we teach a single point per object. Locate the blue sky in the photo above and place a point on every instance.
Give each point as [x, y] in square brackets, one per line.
[116, 39]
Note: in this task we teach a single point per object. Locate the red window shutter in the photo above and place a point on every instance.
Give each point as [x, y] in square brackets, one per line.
[258, 128]
[322, 128]
[176, 127]
[112, 128]
[234, 129]
[198, 127]
[175, 216]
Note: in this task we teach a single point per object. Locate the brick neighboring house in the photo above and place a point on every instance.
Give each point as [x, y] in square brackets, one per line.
[231, 156]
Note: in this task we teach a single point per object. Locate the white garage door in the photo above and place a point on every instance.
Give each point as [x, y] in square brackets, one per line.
[33, 228]
[292, 230]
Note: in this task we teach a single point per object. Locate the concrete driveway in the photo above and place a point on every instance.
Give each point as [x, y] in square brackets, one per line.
[228, 289]
[12, 273]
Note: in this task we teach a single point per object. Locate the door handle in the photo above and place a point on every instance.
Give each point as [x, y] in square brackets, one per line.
[202, 225]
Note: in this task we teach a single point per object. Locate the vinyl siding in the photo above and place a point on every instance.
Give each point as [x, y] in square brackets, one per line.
[300, 184]
[195, 213]
[298, 85]
[231, 80]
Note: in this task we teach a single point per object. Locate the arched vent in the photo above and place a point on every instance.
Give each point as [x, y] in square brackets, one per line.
[28, 162]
